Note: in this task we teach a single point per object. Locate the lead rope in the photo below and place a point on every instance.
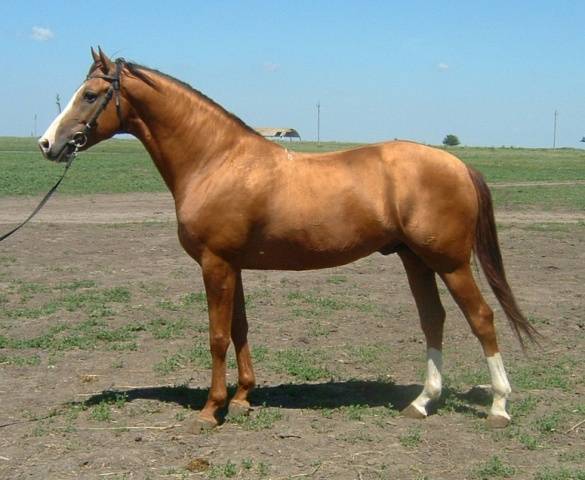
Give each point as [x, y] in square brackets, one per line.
[44, 200]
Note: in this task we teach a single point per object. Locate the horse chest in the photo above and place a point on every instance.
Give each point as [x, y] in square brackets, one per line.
[221, 231]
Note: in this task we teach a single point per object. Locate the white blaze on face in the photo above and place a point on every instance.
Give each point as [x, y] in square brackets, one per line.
[49, 135]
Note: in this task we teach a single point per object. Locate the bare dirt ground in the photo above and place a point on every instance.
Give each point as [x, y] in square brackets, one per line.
[103, 359]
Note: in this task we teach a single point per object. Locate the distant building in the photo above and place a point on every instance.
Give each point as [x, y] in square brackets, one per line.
[271, 132]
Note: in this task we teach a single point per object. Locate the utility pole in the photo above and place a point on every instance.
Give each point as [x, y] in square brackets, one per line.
[58, 102]
[555, 131]
[319, 122]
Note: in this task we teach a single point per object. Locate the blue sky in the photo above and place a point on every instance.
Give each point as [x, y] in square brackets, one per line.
[491, 72]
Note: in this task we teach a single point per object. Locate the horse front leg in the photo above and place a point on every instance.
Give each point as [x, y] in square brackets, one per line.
[239, 405]
[220, 280]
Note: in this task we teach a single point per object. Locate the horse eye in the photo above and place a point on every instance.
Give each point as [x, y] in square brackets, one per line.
[90, 97]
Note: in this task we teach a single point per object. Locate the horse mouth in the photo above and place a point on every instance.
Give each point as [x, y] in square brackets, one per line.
[63, 155]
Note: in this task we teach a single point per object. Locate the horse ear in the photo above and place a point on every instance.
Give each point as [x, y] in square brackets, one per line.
[106, 63]
[96, 57]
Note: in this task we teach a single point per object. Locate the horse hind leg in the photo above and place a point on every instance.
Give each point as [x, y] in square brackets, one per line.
[423, 284]
[481, 319]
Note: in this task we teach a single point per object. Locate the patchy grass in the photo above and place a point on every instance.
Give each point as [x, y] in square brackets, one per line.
[305, 304]
[549, 423]
[361, 412]
[262, 419]
[412, 438]
[248, 468]
[76, 285]
[197, 356]
[6, 260]
[355, 412]
[99, 306]
[337, 279]
[19, 360]
[368, 354]
[185, 302]
[102, 412]
[94, 302]
[546, 197]
[163, 329]
[524, 164]
[493, 468]
[547, 227]
[518, 433]
[301, 364]
[226, 470]
[540, 375]
[561, 473]
[572, 456]
[87, 335]
[311, 305]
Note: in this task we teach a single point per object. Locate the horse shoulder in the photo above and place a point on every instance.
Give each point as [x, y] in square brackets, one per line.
[219, 212]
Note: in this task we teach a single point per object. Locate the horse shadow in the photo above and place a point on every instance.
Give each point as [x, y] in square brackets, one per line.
[312, 396]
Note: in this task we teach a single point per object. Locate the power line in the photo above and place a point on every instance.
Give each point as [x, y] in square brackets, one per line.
[555, 131]
[319, 122]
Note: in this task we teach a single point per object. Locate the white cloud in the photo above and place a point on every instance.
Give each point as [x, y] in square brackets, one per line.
[271, 67]
[41, 34]
[443, 66]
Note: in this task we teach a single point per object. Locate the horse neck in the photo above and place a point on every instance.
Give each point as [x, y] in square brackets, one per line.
[183, 132]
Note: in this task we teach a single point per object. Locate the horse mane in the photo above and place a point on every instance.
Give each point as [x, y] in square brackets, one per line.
[138, 70]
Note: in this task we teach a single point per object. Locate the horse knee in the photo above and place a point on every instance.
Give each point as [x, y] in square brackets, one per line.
[247, 381]
[219, 344]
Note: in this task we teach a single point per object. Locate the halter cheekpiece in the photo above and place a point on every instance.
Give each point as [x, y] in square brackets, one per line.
[80, 138]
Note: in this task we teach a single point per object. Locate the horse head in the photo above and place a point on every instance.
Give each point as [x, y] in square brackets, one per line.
[96, 111]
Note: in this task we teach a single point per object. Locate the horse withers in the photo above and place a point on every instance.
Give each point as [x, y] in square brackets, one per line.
[243, 202]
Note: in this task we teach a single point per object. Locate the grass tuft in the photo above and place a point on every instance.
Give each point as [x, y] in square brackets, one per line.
[493, 468]
[263, 419]
[412, 438]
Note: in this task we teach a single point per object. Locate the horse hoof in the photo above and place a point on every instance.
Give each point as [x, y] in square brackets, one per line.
[497, 421]
[412, 412]
[238, 408]
[201, 425]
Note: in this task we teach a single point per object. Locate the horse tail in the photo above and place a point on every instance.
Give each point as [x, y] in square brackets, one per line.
[487, 250]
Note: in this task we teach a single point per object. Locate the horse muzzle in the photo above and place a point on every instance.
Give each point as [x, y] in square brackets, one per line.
[65, 152]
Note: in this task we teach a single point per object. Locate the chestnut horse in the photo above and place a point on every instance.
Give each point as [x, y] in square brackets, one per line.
[243, 202]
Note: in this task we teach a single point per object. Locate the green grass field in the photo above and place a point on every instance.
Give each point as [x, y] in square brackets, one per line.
[119, 166]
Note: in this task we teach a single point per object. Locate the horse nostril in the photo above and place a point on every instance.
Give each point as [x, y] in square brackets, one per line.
[44, 144]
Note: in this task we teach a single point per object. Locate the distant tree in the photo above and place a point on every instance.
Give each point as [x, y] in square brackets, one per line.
[450, 140]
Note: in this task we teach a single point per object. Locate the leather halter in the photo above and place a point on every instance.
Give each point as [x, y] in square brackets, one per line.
[80, 138]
